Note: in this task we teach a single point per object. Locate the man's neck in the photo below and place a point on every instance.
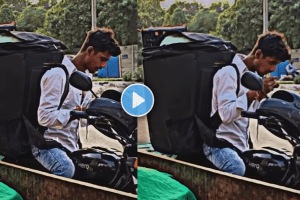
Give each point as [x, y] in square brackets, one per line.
[77, 61]
[248, 60]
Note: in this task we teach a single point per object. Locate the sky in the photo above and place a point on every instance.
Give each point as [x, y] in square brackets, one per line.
[167, 3]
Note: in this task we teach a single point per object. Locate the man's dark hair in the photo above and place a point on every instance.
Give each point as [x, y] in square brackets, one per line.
[102, 39]
[273, 44]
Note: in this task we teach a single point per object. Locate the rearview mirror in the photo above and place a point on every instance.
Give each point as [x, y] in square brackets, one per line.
[81, 81]
[252, 81]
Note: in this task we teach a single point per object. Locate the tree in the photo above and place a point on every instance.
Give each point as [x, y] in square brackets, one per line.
[285, 17]
[219, 7]
[31, 18]
[47, 4]
[178, 17]
[185, 11]
[121, 16]
[68, 21]
[239, 25]
[150, 13]
[204, 21]
[17, 5]
[242, 27]
[189, 8]
[6, 13]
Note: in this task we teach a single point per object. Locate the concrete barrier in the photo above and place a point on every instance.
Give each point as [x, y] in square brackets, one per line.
[34, 185]
[210, 184]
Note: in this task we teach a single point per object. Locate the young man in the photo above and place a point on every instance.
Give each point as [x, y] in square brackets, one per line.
[270, 49]
[96, 50]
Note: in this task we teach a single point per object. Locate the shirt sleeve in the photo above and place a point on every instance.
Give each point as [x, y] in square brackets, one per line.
[229, 104]
[52, 87]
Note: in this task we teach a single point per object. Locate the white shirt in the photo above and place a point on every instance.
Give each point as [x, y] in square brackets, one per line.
[234, 128]
[52, 87]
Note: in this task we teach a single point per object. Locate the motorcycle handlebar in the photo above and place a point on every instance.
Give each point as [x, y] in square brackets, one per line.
[249, 114]
[75, 114]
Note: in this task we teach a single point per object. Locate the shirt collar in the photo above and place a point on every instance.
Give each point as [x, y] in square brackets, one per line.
[68, 63]
[238, 60]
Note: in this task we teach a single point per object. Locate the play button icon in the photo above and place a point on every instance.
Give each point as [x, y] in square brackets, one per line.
[137, 100]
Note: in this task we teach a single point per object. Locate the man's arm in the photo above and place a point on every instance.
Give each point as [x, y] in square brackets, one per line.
[268, 85]
[229, 105]
[52, 87]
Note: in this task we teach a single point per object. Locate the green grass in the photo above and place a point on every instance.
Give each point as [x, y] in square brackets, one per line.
[107, 79]
[113, 79]
[285, 82]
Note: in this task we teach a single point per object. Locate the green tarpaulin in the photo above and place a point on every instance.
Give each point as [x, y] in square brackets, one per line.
[155, 185]
[7, 193]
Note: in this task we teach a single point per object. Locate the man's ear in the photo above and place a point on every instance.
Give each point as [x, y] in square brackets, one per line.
[258, 53]
[90, 50]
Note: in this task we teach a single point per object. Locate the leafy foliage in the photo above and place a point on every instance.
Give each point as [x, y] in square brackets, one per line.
[6, 13]
[69, 17]
[198, 18]
[189, 8]
[31, 18]
[18, 5]
[139, 74]
[127, 76]
[150, 13]
[47, 4]
[241, 26]
[297, 80]
[177, 18]
[204, 21]
[121, 16]
[180, 13]
[285, 17]
[68, 21]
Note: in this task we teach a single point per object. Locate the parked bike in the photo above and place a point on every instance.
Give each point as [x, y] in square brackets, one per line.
[108, 167]
[279, 114]
[98, 165]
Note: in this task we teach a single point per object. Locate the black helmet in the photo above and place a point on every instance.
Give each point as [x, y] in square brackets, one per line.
[102, 166]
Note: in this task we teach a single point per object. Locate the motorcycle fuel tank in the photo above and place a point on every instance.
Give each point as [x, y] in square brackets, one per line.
[112, 109]
[283, 105]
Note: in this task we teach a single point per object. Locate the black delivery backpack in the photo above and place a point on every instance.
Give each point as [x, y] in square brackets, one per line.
[180, 76]
[22, 58]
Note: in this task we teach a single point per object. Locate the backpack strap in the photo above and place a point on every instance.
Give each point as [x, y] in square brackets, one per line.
[209, 131]
[36, 134]
[66, 88]
[238, 78]
[215, 120]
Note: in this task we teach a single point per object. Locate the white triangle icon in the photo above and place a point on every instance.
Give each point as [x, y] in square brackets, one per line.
[137, 100]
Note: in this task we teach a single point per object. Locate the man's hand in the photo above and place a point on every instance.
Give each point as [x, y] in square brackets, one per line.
[79, 108]
[269, 84]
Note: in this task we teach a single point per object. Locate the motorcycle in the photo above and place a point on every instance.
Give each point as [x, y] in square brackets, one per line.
[279, 114]
[103, 166]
